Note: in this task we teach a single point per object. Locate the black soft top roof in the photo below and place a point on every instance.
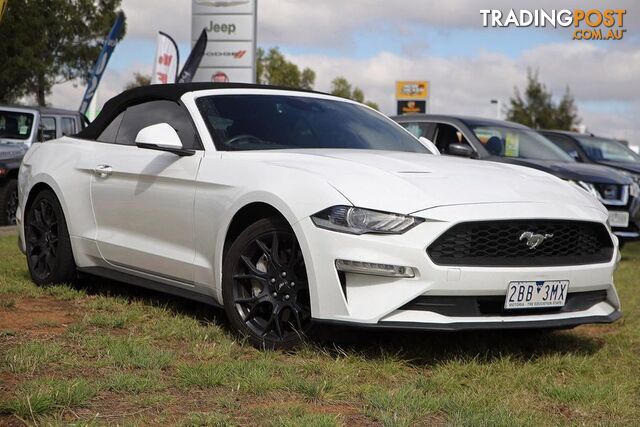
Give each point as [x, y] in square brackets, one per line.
[169, 92]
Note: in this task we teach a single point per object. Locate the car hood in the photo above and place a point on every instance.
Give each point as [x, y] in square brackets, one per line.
[596, 174]
[627, 166]
[410, 182]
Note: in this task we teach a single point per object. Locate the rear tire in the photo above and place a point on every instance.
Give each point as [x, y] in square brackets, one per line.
[9, 202]
[265, 287]
[49, 255]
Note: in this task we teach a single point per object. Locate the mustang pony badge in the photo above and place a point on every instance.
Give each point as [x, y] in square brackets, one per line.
[534, 240]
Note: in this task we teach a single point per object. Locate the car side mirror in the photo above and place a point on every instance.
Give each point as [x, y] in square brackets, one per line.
[575, 156]
[162, 137]
[462, 150]
[430, 146]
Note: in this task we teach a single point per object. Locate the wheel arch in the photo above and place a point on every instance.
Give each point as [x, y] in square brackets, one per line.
[244, 217]
[38, 185]
[45, 183]
[247, 211]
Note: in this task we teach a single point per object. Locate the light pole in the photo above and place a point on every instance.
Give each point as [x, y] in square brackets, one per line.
[497, 102]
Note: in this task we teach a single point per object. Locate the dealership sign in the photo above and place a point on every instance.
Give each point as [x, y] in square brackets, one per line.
[412, 96]
[231, 33]
[587, 24]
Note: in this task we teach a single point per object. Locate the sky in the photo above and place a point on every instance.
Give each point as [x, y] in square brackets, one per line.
[373, 43]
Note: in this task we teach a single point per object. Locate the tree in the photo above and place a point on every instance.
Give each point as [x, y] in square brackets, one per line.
[46, 42]
[274, 69]
[342, 88]
[538, 110]
[139, 79]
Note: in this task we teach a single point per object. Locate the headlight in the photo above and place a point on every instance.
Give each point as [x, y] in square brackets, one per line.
[589, 188]
[634, 188]
[349, 219]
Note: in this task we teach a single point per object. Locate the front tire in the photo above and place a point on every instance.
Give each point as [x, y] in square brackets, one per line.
[265, 287]
[9, 202]
[49, 255]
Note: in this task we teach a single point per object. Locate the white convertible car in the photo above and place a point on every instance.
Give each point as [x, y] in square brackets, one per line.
[289, 208]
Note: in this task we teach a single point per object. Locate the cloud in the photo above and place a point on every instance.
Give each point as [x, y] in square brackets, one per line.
[465, 86]
[331, 23]
[146, 17]
[69, 95]
[599, 73]
[334, 22]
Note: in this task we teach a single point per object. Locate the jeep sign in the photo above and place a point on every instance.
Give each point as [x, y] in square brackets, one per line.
[231, 35]
[223, 27]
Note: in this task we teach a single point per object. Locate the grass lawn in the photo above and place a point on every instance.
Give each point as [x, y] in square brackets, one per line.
[105, 353]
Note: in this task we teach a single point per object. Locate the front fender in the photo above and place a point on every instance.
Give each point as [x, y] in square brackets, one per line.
[225, 186]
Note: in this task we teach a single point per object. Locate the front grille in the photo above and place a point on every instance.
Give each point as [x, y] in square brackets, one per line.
[477, 306]
[501, 244]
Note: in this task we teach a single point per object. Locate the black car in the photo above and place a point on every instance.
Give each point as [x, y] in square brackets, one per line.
[10, 158]
[595, 149]
[508, 142]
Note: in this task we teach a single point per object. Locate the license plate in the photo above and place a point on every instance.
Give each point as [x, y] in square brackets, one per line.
[619, 219]
[536, 294]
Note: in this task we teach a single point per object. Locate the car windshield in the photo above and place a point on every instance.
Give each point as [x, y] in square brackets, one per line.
[15, 125]
[513, 142]
[598, 149]
[268, 122]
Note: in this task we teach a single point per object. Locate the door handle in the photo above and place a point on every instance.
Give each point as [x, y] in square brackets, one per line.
[103, 171]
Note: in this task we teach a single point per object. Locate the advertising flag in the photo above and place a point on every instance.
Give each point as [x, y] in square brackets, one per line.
[101, 63]
[3, 7]
[165, 67]
[193, 61]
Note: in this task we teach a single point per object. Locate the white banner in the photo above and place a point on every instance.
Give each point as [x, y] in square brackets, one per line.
[165, 67]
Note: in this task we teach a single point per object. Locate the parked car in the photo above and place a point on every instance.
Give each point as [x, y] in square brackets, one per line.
[10, 158]
[507, 142]
[291, 207]
[587, 148]
[26, 125]
[19, 128]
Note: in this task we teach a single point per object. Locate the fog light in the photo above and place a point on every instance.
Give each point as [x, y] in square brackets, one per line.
[374, 269]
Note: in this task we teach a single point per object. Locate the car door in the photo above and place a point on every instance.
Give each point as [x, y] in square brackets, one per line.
[143, 199]
[68, 125]
[446, 134]
[566, 144]
[49, 128]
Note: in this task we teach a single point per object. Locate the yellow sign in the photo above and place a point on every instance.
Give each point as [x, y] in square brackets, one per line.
[3, 8]
[512, 145]
[412, 90]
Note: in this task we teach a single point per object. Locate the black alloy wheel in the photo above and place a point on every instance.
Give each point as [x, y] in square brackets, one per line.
[9, 202]
[265, 287]
[12, 206]
[49, 255]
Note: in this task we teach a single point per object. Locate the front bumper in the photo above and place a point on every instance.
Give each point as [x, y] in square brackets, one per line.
[563, 323]
[367, 300]
[631, 232]
[20, 228]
